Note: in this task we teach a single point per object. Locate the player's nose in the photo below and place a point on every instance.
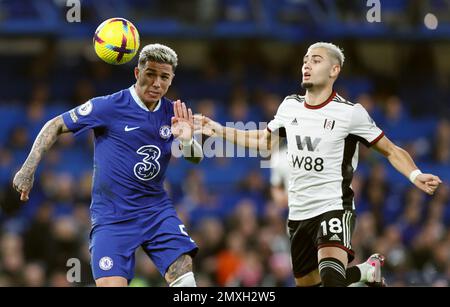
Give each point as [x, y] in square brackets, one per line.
[156, 83]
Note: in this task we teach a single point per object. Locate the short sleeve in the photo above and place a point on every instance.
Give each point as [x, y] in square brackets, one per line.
[278, 122]
[275, 124]
[363, 126]
[89, 115]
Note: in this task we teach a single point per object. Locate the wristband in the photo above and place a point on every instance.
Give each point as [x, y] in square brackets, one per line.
[414, 175]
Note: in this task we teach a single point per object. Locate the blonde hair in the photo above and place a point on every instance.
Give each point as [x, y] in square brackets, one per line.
[332, 49]
[158, 53]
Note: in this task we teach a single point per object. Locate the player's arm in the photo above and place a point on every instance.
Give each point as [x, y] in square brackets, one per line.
[254, 139]
[183, 129]
[24, 178]
[402, 162]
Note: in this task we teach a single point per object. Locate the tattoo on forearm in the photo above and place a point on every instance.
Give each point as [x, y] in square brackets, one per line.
[23, 181]
[45, 139]
[181, 266]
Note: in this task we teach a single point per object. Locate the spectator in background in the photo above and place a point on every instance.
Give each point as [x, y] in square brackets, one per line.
[245, 221]
[36, 110]
[441, 152]
[39, 243]
[250, 273]
[411, 220]
[211, 235]
[239, 109]
[376, 191]
[34, 275]
[397, 122]
[230, 259]
[12, 258]
[83, 91]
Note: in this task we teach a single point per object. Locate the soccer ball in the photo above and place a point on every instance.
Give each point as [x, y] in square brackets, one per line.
[116, 41]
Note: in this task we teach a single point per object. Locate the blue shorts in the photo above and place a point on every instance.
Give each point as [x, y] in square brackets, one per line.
[113, 246]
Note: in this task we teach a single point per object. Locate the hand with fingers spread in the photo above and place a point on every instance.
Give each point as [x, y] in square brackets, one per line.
[207, 126]
[182, 122]
[427, 183]
[22, 183]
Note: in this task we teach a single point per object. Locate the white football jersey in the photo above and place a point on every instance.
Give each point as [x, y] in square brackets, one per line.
[322, 151]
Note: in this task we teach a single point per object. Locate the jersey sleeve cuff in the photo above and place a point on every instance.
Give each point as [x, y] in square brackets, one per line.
[376, 139]
[69, 119]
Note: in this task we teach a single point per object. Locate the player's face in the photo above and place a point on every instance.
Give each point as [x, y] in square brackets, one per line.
[318, 68]
[153, 81]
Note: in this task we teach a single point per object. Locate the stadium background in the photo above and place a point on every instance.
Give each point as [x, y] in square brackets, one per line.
[237, 60]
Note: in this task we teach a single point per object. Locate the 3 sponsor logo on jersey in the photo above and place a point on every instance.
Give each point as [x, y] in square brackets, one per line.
[149, 167]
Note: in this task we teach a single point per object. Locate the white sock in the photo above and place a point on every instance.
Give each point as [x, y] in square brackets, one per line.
[186, 280]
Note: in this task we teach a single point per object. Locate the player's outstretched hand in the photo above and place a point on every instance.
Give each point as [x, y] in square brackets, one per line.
[182, 122]
[427, 183]
[22, 183]
[207, 126]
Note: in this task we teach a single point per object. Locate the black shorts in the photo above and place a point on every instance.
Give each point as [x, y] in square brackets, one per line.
[333, 228]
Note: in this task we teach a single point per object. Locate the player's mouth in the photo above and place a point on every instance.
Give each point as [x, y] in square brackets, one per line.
[306, 76]
[153, 94]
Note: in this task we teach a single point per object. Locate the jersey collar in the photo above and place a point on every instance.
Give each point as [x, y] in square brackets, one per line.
[308, 106]
[139, 101]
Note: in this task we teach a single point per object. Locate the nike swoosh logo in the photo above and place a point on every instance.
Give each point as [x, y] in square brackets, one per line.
[130, 129]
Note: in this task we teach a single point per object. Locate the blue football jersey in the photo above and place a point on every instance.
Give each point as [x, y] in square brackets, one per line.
[131, 155]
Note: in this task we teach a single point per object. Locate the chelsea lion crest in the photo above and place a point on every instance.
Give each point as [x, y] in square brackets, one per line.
[165, 132]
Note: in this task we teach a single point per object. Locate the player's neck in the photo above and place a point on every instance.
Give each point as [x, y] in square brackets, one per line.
[151, 105]
[315, 97]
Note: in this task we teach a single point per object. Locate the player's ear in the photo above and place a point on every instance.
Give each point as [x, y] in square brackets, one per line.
[136, 72]
[335, 70]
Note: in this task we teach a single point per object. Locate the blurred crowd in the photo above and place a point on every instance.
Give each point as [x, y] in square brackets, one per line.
[225, 203]
[405, 14]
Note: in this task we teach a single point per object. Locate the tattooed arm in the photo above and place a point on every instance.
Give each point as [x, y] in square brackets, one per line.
[23, 180]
